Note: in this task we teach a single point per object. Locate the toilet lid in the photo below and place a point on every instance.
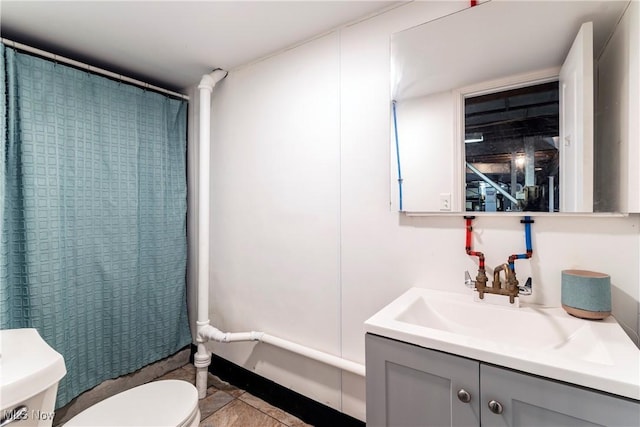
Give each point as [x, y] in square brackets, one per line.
[161, 403]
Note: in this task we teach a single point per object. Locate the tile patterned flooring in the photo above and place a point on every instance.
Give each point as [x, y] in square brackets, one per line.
[228, 406]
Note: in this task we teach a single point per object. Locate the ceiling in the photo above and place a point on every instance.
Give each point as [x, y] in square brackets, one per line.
[172, 43]
[494, 40]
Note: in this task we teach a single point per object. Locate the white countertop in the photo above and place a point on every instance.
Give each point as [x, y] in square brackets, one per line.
[538, 340]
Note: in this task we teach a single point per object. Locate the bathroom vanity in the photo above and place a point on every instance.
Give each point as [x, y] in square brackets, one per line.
[412, 385]
[428, 363]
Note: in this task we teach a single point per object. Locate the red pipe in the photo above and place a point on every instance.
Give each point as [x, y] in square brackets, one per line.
[480, 255]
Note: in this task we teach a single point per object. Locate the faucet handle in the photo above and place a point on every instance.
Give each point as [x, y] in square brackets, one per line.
[468, 282]
[526, 289]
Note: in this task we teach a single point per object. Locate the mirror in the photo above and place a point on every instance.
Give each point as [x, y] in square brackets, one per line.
[493, 108]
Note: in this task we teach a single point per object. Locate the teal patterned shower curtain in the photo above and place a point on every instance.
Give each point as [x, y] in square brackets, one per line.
[93, 218]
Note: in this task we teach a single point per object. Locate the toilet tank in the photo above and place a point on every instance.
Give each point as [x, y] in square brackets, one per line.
[29, 374]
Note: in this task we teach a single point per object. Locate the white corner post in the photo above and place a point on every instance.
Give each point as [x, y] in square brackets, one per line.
[202, 358]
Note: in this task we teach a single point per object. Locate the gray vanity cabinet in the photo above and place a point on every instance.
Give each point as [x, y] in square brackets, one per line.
[408, 385]
[527, 400]
[411, 386]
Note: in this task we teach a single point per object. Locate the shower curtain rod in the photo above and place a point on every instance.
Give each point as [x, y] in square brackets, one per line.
[91, 68]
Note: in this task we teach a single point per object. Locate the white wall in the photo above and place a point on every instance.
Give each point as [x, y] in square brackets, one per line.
[275, 211]
[425, 135]
[618, 108]
[305, 245]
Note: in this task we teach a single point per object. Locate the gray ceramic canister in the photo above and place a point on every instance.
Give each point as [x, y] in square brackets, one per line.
[586, 294]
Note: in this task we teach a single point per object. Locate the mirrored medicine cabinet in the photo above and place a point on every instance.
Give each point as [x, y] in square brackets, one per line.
[494, 109]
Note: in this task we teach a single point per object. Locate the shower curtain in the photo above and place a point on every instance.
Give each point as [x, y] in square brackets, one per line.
[93, 218]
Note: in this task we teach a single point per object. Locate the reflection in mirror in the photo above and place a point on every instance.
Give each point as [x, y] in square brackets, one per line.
[493, 107]
[511, 150]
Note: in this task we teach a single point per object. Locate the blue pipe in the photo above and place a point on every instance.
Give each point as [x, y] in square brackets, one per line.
[527, 233]
[527, 238]
[395, 129]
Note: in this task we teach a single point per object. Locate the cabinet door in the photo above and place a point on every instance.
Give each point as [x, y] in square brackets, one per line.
[411, 386]
[533, 401]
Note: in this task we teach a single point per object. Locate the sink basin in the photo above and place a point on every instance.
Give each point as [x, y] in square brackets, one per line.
[538, 340]
[528, 327]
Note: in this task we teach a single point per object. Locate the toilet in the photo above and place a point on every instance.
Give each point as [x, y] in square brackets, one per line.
[30, 371]
[171, 403]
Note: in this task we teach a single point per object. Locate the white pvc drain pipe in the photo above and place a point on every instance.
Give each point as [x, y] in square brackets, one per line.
[202, 358]
[206, 332]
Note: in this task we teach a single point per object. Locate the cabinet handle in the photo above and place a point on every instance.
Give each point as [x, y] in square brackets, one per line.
[464, 396]
[495, 406]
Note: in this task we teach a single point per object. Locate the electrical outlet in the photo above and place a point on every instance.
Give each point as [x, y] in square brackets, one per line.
[445, 201]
